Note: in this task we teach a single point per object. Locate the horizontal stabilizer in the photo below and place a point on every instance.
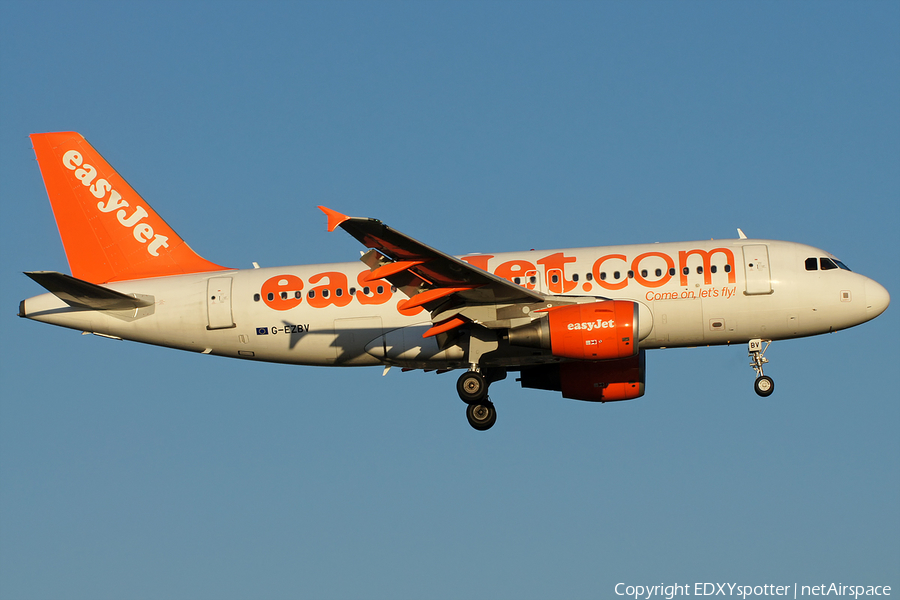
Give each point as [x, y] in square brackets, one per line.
[77, 292]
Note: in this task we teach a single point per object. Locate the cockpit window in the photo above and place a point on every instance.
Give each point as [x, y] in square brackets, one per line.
[842, 265]
[812, 264]
[827, 264]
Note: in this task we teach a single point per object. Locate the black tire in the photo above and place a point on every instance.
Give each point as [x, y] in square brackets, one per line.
[764, 386]
[471, 387]
[481, 416]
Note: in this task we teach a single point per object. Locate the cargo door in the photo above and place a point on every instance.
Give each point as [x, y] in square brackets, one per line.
[218, 303]
[678, 322]
[756, 270]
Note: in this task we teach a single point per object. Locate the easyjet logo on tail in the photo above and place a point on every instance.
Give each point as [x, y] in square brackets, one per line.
[111, 200]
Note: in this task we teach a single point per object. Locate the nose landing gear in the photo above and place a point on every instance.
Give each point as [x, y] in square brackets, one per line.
[763, 386]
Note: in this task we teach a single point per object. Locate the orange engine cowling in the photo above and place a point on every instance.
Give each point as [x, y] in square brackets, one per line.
[602, 381]
[595, 331]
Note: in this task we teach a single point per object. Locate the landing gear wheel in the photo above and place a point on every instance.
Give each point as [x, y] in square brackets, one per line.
[764, 386]
[481, 416]
[472, 387]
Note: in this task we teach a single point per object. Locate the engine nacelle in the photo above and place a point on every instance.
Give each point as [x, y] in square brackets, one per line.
[596, 331]
[604, 381]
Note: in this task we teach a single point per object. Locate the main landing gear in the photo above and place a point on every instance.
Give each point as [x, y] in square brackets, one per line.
[481, 416]
[472, 387]
[764, 386]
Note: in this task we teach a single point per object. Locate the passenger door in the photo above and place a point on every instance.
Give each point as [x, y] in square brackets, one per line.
[756, 270]
[218, 303]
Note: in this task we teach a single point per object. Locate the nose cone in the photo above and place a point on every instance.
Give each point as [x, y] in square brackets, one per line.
[877, 298]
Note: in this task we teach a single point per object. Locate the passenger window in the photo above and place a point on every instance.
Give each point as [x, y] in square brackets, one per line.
[713, 269]
[256, 297]
[630, 274]
[603, 276]
[312, 293]
[659, 272]
[699, 270]
[644, 273]
[555, 278]
[812, 264]
[672, 272]
[728, 268]
[686, 271]
[298, 295]
[827, 264]
[517, 280]
[366, 290]
[380, 289]
[352, 291]
[270, 296]
[575, 277]
[589, 276]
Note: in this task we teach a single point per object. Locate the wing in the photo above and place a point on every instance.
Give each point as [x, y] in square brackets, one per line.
[444, 285]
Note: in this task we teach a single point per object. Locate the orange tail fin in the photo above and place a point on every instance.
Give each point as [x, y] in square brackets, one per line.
[108, 231]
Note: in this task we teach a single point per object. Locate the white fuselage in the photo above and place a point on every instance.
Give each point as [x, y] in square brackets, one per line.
[689, 294]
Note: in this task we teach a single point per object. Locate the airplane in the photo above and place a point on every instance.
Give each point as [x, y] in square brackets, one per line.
[576, 320]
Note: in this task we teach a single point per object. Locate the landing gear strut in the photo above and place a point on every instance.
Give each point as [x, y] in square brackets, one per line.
[764, 386]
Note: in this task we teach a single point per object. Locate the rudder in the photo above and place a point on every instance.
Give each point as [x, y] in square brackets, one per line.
[108, 231]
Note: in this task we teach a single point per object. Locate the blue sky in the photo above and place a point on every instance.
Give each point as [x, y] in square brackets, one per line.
[129, 471]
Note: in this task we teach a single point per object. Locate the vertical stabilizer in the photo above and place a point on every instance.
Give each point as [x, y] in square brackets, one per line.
[108, 231]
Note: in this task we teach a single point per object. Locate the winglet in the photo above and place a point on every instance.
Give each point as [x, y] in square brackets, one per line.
[334, 218]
